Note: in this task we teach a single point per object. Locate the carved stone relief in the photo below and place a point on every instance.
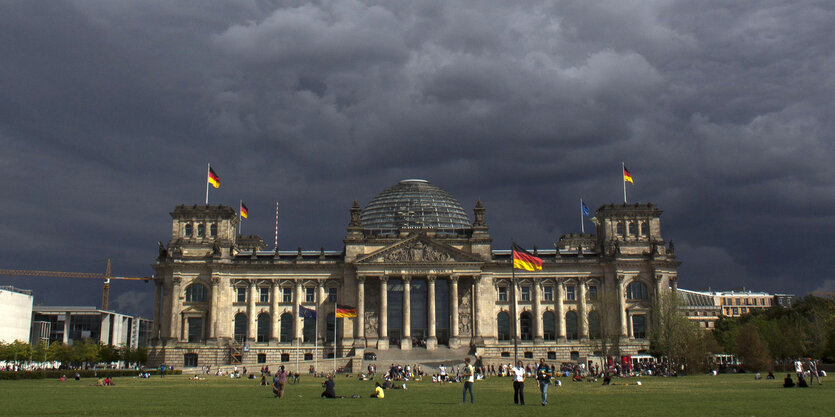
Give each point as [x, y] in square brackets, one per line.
[372, 300]
[465, 312]
[415, 252]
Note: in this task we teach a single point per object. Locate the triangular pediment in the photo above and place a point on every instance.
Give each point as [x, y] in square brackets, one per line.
[419, 249]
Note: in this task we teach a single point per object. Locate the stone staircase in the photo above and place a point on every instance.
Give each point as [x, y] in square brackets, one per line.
[429, 360]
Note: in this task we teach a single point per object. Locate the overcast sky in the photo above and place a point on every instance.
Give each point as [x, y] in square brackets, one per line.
[723, 112]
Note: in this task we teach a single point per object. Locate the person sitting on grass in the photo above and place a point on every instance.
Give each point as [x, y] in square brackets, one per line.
[788, 382]
[378, 391]
[607, 379]
[330, 389]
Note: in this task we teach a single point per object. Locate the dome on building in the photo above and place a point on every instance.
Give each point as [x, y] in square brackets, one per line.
[415, 204]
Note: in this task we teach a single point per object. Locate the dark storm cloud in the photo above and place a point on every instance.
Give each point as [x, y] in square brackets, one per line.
[109, 112]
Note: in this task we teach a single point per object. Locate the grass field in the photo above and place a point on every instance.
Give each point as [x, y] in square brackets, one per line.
[724, 395]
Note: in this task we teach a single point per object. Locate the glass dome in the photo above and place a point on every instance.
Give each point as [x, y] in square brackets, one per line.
[414, 204]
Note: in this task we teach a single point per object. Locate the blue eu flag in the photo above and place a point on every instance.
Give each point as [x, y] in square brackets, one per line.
[584, 209]
[307, 313]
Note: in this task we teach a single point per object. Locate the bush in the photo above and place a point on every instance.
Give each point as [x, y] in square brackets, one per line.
[70, 373]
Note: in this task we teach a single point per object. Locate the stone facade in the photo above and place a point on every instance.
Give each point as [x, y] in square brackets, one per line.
[418, 286]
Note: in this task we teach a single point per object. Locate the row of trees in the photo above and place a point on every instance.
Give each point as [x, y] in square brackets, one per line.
[761, 339]
[781, 335]
[82, 353]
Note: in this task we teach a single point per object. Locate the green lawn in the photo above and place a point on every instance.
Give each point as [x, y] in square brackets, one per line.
[724, 395]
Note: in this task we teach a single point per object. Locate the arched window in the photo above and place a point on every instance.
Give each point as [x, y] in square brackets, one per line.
[549, 326]
[594, 325]
[503, 324]
[196, 293]
[636, 291]
[213, 230]
[286, 328]
[645, 228]
[525, 326]
[201, 230]
[571, 325]
[263, 328]
[189, 230]
[240, 327]
[620, 228]
[633, 228]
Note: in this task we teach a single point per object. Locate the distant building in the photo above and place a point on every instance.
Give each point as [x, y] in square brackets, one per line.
[699, 307]
[705, 307]
[68, 324]
[15, 314]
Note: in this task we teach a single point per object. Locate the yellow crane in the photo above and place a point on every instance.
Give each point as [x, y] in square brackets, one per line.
[105, 295]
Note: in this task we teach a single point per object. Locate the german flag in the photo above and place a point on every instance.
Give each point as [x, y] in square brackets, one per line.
[345, 311]
[213, 178]
[627, 176]
[244, 211]
[524, 260]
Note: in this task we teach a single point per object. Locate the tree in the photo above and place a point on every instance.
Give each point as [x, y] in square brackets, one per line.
[86, 351]
[59, 352]
[39, 351]
[752, 350]
[606, 307]
[672, 332]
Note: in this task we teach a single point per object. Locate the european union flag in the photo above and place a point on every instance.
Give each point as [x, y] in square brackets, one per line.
[585, 209]
[307, 313]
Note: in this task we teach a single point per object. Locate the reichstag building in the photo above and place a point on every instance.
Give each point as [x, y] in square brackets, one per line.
[421, 274]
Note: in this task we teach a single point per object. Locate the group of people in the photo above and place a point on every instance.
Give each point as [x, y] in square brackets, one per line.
[542, 374]
[804, 369]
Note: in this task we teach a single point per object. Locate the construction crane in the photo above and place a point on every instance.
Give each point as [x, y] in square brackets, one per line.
[105, 295]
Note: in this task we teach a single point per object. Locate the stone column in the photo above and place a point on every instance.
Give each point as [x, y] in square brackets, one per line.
[176, 318]
[360, 332]
[155, 333]
[251, 313]
[214, 315]
[66, 339]
[432, 341]
[297, 321]
[583, 319]
[383, 331]
[539, 332]
[560, 296]
[275, 319]
[321, 316]
[629, 327]
[659, 282]
[476, 300]
[453, 312]
[406, 339]
[622, 307]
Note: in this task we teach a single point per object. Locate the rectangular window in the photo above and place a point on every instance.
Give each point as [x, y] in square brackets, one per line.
[264, 295]
[569, 293]
[735, 311]
[241, 295]
[549, 293]
[502, 293]
[287, 295]
[639, 326]
[195, 329]
[526, 293]
[737, 302]
[331, 295]
[593, 292]
[310, 295]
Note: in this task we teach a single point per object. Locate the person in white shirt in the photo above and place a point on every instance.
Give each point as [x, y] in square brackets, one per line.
[518, 383]
[442, 374]
[468, 378]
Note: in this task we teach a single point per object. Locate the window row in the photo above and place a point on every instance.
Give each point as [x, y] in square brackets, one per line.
[632, 227]
[550, 329]
[199, 293]
[636, 290]
[263, 330]
[201, 230]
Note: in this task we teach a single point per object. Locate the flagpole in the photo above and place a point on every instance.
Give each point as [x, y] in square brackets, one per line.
[623, 178]
[335, 334]
[582, 223]
[240, 218]
[513, 306]
[316, 340]
[208, 170]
